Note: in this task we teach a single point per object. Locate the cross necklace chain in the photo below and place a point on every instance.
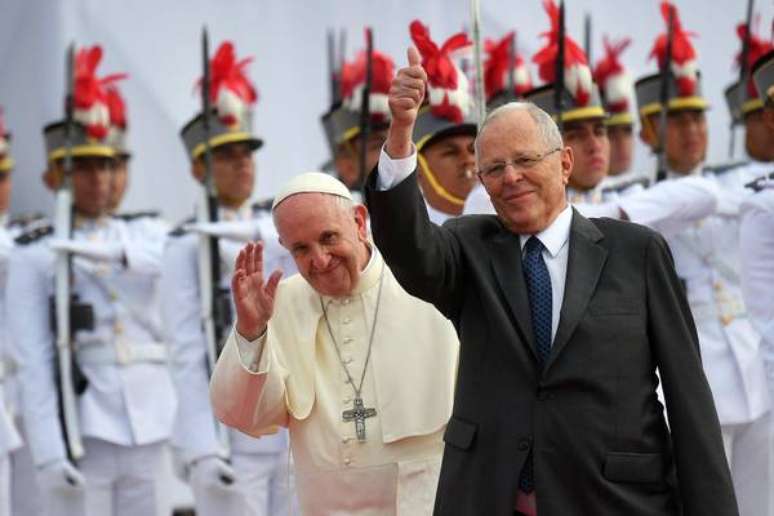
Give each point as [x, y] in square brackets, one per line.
[359, 413]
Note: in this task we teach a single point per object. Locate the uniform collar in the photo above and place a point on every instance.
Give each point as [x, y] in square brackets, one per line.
[555, 236]
[244, 212]
[591, 196]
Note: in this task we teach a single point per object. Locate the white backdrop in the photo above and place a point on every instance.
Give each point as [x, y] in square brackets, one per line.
[157, 43]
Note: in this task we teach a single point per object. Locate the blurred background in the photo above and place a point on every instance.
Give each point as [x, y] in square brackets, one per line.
[157, 44]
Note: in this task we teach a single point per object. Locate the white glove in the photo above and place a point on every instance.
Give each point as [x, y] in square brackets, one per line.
[239, 230]
[212, 472]
[96, 251]
[61, 475]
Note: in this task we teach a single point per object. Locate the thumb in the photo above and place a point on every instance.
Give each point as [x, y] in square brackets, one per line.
[414, 59]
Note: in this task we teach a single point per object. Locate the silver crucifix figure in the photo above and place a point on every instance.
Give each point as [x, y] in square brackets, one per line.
[359, 414]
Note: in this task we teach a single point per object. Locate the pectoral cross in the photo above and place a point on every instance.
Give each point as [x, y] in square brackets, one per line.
[359, 414]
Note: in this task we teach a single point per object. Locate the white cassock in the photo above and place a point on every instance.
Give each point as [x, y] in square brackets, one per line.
[293, 377]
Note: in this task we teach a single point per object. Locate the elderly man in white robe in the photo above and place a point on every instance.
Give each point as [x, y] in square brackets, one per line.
[359, 371]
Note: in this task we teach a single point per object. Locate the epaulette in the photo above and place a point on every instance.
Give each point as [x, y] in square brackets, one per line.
[25, 219]
[722, 168]
[129, 217]
[757, 184]
[620, 187]
[180, 230]
[34, 235]
[262, 205]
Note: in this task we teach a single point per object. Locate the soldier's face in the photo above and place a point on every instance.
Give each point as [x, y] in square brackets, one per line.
[758, 136]
[621, 148]
[591, 150]
[347, 159]
[326, 239]
[233, 171]
[5, 191]
[119, 182]
[686, 138]
[91, 180]
[452, 161]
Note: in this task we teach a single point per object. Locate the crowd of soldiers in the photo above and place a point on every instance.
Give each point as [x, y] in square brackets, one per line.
[111, 322]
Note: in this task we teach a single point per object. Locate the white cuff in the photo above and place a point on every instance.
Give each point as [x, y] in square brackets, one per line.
[251, 351]
[393, 171]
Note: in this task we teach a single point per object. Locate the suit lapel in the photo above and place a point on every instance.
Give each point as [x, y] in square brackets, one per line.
[505, 257]
[584, 265]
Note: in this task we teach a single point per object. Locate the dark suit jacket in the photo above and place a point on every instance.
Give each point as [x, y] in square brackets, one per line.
[591, 418]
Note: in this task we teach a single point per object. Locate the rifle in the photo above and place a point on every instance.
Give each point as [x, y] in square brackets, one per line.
[63, 303]
[511, 64]
[215, 307]
[365, 110]
[559, 89]
[666, 76]
[587, 37]
[743, 77]
[475, 13]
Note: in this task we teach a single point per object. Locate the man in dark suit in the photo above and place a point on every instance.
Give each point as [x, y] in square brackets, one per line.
[562, 322]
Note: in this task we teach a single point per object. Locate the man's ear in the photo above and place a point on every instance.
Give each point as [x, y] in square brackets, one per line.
[648, 134]
[768, 117]
[197, 169]
[361, 219]
[568, 160]
[52, 177]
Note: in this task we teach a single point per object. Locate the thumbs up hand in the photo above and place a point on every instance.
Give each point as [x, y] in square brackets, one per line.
[405, 98]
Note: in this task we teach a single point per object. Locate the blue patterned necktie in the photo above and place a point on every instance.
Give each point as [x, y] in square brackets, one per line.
[539, 291]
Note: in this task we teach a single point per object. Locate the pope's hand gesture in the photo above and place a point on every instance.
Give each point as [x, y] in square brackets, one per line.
[253, 297]
[405, 97]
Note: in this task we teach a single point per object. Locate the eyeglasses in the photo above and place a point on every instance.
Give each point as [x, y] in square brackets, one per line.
[496, 170]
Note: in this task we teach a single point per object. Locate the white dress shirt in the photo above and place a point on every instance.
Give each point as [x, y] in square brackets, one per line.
[554, 238]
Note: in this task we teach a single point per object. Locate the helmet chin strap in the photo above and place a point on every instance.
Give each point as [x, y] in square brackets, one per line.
[435, 184]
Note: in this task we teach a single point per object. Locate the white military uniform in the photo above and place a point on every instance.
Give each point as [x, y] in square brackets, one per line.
[293, 377]
[756, 243]
[707, 260]
[24, 492]
[9, 437]
[127, 409]
[263, 485]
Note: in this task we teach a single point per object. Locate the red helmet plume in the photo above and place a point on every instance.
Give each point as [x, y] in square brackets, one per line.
[613, 78]
[757, 48]
[448, 89]
[231, 92]
[577, 74]
[353, 77]
[497, 67]
[684, 65]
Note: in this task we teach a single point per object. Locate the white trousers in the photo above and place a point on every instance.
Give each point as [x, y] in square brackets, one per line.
[748, 449]
[5, 485]
[25, 494]
[263, 487]
[120, 481]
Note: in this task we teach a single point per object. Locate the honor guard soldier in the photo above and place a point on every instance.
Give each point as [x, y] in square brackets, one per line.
[9, 437]
[343, 123]
[707, 259]
[745, 105]
[229, 472]
[756, 237]
[96, 435]
[445, 127]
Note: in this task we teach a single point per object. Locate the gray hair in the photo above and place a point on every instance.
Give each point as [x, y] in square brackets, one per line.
[547, 128]
[342, 203]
